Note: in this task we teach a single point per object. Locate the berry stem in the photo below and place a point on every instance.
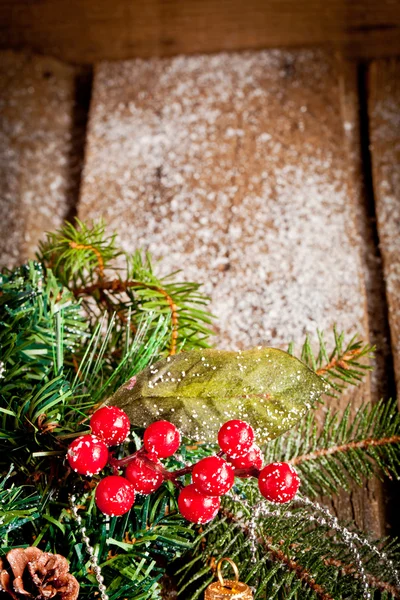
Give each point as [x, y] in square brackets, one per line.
[159, 468]
[117, 463]
[249, 471]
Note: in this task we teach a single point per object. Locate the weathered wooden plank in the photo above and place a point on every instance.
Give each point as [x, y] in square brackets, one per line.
[384, 115]
[235, 168]
[355, 121]
[93, 30]
[374, 499]
[39, 165]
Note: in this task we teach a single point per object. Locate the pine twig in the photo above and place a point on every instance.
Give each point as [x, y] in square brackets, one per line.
[79, 257]
[100, 269]
[344, 450]
[341, 361]
[373, 581]
[361, 444]
[278, 555]
[117, 285]
[340, 367]
[301, 573]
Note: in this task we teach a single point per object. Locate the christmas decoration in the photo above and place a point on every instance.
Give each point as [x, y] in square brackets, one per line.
[89, 549]
[213, 476]
[252, 458]
[31, 573]
[87, 455]
[161, 439]
[115, 495]
[228, 588]
[80, 343]
[235, 438]
[196, 507]
[266, 387]
[144, 479]
[278, 482]
[110, 424]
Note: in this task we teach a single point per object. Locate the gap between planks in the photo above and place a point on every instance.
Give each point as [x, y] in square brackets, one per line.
[44, 107]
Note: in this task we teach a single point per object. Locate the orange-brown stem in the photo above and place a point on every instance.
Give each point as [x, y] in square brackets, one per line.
[383, 586]
[173, 476]
[117, 285]
[339, 361]
[100, 260]
[394, 439]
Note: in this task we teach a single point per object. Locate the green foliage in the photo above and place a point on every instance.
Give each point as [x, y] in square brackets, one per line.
[18, 505]
[61, 355]
[83, 320]
[73, 253]
[199, 390]
[345, 450]
[132, 550]
[63, 352]
[83, 258]
[294, 557]
[41, 326]
[346, 364]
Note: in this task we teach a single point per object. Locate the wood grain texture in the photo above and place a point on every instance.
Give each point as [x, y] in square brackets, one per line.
[384, 110]
[93, 30]
[352, 84]
[355, 121]
[38, 163]
[235, 168]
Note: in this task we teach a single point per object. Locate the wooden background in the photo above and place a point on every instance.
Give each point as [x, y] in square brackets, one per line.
[271, 175]
[93, 30]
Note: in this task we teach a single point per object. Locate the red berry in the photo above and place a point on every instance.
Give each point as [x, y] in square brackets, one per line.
[162, 439]
[278, 482]
[110, 424]
[253, 458]
[235, 438]
[213, 476]
[115, 495]
[87, 455]
[143, 478]
[196, 507]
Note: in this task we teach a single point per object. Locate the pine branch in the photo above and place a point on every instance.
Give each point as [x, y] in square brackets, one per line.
[133, 550]
[374, 582]
[78, 254]
[344, 450]
[346, 364]
[81, 259]
[295, 556]
[18, 505]
[278, 555]
[117, 286]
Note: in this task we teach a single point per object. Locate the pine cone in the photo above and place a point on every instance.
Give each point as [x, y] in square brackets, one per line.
[31, 573]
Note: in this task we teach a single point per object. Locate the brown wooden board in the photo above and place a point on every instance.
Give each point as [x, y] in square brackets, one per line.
[235, 168]
[384, 115]
[38, 163]
[93, 30]
[380, 381]
[354, 110]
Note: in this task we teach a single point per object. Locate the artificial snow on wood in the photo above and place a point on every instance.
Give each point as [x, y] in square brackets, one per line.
[233, 168]
[37, 172]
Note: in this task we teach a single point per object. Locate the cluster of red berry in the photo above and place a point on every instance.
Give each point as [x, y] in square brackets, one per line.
[212, 477]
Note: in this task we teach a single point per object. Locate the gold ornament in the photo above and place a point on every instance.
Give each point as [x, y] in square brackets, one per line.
[228, 588]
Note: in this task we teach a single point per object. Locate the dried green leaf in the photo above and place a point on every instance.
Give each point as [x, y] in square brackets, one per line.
[201, 389]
